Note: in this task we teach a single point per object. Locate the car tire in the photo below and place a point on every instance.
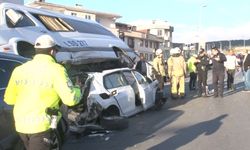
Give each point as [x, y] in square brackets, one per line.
[114, 122]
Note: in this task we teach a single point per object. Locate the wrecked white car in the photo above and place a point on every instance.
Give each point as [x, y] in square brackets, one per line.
[111, 90]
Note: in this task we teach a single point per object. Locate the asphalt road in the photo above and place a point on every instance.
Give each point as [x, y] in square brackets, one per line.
[186, 124]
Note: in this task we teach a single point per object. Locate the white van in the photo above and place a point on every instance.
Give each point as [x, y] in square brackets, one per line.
[21, 25]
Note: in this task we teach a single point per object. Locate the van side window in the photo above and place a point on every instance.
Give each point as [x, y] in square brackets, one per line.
[54, 23]
[86, 27]
[25, 21]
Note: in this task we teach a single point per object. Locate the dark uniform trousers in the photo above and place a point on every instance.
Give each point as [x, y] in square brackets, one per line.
[202, 82]
[218, 83]
[230, 78]
[192, 81]
[37, 141]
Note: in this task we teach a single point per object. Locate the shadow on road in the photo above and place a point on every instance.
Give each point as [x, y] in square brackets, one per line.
[140, 129]
[187, 135]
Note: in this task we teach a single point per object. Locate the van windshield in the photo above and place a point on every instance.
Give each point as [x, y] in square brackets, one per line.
[54, 23]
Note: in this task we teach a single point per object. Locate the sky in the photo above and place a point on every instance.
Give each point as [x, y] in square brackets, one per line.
[193, 20]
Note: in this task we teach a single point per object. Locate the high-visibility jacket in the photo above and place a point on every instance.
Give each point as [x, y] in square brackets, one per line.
[191, 64]
[35, 86]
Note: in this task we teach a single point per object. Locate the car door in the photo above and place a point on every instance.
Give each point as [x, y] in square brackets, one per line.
[147, 90]
[125, 94]
[7, 123]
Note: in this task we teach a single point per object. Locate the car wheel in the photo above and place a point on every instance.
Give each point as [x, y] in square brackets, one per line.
[114, 122]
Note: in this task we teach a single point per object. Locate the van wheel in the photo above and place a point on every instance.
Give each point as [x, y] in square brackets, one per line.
[114, 122]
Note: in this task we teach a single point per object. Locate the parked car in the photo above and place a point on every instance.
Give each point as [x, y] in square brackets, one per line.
[8, 136]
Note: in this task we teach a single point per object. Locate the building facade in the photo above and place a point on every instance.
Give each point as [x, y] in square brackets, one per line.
[159, 28]
[143, 43]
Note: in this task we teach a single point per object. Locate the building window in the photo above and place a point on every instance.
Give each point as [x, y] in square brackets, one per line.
[150, 44]
[146, 43]
[159, 32]
[131, 42]
[151, 57]
[73, 14]
[156, 45]
[141, 43]
[87, 17]
[146, 56]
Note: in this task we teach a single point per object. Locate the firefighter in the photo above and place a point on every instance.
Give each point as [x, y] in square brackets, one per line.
[177, 72]
[35, 86]
[159, 68]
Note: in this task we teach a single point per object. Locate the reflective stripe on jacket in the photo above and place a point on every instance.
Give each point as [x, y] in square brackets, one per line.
[35, 86]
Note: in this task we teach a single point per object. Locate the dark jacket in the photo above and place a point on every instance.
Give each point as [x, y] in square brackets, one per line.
[246, 63]
[203, 64]
[139, 67]
[218, 66]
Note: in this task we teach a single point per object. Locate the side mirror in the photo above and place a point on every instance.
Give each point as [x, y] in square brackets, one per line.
[14, 16]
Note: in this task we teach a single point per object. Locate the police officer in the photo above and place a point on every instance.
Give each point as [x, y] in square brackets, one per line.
[177, 72]
[202, 68]
[191, 64]
[35, 86]
[218, 70]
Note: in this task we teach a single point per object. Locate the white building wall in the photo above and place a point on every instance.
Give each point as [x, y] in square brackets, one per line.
[81, 15]
[109, 23]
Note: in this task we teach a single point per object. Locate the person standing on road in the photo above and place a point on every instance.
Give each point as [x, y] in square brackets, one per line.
[231, 65]
[218, 71]
[177, 73]
[35, 86]
[141, 66]
[192, 72]
[159, 68]
[202, 69]
[246, 67]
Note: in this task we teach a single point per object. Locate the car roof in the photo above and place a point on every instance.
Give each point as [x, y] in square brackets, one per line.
[13, 57]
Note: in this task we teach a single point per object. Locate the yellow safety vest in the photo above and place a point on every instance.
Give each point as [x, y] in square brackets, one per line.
[35, 86]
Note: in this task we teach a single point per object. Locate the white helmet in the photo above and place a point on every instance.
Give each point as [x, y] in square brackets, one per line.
[175, 50]
[158, 52]
[45, 41]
